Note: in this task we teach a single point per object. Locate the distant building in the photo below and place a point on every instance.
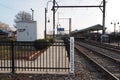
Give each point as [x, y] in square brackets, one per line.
[11, 33]
[26, 31]
[3, 34]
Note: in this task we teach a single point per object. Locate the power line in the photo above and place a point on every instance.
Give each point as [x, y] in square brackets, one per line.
[7, 7]
[59, 1]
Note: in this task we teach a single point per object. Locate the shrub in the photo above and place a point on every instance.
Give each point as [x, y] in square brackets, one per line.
[51, 40]
[40, 44]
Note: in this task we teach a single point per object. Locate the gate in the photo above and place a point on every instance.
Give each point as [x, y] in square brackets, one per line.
[31, 57]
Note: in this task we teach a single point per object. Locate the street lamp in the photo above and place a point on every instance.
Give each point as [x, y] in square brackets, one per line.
[114, 23]
[46, 9]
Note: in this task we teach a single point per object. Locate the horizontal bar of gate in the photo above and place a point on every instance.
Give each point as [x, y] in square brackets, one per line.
[30, 56]
[39, 68]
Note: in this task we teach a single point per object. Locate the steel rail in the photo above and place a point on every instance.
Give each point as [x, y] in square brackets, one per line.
[108, 74]
[104, 46]
[101, 45]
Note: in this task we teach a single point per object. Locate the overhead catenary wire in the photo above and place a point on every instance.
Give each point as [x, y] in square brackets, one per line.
[4, 6]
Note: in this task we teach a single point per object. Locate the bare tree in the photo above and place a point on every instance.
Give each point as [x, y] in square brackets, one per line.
[4, 27]
[22, 16]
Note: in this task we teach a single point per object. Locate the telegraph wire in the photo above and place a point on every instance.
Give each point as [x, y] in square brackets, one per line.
[4, 6]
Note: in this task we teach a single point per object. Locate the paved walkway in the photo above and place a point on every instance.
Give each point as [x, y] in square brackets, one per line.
[50, 61]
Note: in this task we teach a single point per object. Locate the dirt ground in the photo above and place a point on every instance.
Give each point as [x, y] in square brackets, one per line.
[35, 77]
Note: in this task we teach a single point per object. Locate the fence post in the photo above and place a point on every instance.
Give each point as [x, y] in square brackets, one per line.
[71, 54]
[12, 51]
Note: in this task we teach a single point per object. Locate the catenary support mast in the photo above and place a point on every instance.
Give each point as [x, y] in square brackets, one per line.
[86, 6]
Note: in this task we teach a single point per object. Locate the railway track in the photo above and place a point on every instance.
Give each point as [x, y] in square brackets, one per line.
[103, 51]
[105, 46]
[85, 70]
[108, 63]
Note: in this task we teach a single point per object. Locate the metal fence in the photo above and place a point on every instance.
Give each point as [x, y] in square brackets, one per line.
[31, 57]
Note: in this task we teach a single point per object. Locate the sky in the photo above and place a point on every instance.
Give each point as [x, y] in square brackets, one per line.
[81, 18]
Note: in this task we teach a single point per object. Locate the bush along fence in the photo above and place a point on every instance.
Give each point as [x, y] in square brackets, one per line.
[41, 56]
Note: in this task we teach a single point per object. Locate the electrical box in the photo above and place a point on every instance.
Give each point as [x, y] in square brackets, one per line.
[26, 30]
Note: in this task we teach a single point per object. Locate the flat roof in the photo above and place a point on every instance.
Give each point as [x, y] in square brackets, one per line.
[92, 28]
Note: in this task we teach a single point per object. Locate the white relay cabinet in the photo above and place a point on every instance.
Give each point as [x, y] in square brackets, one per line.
[26, 31]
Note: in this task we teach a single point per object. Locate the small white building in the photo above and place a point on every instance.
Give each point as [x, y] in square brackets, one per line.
[26, 30]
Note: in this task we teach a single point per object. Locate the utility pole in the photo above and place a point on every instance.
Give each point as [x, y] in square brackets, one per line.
[104, 7]
[53, 19]
[45, 22]
[32, 14]
[69, 26]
